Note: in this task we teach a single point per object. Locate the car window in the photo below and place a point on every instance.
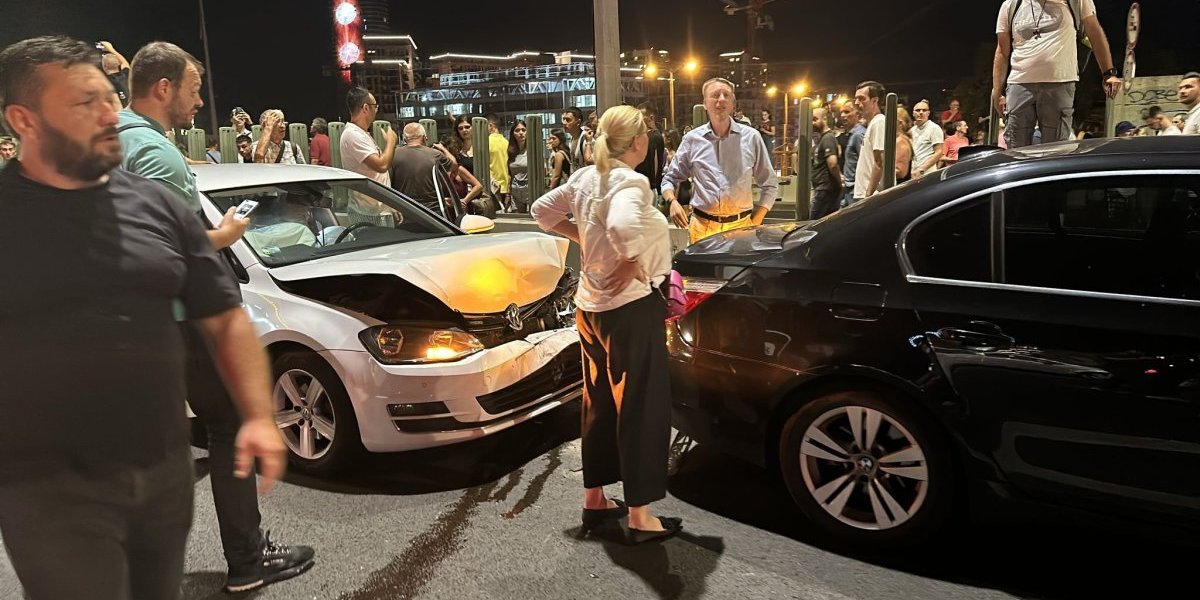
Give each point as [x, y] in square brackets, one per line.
[297, 222]
[1124, 235]
[953, 243]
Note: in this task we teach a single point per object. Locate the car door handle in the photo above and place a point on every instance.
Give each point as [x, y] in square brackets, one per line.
[974, 340]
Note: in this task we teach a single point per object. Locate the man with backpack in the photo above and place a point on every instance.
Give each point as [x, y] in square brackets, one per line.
[1037, 47]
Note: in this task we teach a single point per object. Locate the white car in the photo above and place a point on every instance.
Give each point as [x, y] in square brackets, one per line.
[396, 331]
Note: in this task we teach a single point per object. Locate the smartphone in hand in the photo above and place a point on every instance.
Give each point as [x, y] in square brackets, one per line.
[245, 208]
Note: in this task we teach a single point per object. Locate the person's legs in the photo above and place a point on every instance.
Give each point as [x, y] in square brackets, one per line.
[637, 374]
[824, 203]
[1021, 117]
[236, 500]
[601, 463]
[1055, 110]
[158, 529]
[65, 533]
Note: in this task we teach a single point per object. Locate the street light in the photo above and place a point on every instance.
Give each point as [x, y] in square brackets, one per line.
[651, 70]
[786, 152]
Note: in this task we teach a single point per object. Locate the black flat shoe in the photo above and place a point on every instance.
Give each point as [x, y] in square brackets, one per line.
[671, 526]
[594, 517]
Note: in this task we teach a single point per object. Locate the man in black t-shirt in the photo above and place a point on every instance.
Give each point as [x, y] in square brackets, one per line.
[656, 152]
[95, 477]
[826, 174]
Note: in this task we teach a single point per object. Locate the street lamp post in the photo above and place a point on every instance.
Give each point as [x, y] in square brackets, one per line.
[785, 153]
[651, 70]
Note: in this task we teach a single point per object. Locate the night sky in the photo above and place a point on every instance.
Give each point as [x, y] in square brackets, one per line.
[278, 53]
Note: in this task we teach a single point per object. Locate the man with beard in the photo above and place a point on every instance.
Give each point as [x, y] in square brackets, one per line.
[95, 473]
[165, 89]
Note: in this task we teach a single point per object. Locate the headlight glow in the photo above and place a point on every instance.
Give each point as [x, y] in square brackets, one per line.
[413, 344]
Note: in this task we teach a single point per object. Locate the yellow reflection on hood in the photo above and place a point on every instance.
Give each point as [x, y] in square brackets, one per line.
[490, 278]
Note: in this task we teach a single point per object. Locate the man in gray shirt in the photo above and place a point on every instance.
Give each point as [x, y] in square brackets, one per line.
[724, 159]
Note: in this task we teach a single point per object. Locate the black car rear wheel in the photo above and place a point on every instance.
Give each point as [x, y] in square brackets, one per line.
[867, 469]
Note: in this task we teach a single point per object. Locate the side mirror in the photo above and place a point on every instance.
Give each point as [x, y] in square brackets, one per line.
[477, 224]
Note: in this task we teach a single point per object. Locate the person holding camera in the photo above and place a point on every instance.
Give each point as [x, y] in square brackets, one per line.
[241, 122]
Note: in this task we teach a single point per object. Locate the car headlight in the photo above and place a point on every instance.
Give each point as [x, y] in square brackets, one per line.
[405, 344]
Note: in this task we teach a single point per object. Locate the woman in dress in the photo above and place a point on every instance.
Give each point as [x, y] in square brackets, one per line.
[518, 167]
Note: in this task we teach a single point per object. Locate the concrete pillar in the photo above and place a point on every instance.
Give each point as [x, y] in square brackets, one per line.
[888, 178]
[804, 161]
[298, 136]
[479, 146]
[535, 151]
[335, 143]
[608, 63]
[228, 145]
[431, 131]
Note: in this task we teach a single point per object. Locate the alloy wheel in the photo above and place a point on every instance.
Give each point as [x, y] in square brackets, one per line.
[304, 414]
[864, 468]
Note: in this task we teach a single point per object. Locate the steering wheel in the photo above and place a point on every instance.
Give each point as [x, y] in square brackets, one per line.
[352, 228]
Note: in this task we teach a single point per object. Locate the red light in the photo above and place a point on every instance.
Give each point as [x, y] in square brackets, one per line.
[347, 22]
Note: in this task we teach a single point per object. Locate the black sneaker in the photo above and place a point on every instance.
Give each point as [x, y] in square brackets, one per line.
[278, 563]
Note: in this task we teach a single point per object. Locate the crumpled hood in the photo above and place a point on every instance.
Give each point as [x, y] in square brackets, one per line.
[472, 274]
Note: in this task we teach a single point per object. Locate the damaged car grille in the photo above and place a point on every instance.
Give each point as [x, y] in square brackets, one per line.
[562, 371]
[552, 312]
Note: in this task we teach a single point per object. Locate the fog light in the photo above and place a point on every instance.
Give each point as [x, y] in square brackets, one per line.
[417, 410]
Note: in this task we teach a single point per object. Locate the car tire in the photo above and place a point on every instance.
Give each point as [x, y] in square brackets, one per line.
[898, 491]
[329, 408]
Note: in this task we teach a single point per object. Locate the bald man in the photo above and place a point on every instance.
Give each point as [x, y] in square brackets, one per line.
[412, 168]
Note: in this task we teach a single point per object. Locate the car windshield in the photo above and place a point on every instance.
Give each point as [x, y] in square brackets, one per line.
[298, 222]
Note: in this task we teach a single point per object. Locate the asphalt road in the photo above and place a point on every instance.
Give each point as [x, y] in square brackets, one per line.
[498, 518]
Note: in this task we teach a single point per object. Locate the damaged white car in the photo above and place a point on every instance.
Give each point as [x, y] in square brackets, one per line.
[388, 327]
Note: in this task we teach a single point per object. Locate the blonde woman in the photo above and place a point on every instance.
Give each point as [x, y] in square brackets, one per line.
[625, 256]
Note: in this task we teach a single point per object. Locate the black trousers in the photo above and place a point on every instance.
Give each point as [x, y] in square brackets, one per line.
[236, 500]
[102, 531]
[626, 398]
[825, 202]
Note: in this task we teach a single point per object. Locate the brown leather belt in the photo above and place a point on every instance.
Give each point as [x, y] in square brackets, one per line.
[725, 219]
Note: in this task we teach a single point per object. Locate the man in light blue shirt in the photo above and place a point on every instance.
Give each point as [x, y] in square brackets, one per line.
[850, 121]
[724, 159]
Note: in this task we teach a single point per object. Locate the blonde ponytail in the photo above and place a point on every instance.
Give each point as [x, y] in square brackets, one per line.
[619, 126]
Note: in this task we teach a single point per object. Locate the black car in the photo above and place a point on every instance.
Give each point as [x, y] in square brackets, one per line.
[1024, 326]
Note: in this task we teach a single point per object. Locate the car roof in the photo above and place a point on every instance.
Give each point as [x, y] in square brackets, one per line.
[1177, 144]
[211, 178]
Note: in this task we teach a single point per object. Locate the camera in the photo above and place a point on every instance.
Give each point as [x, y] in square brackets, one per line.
[100, 48]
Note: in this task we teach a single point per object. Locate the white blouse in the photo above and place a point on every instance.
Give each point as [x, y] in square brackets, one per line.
[625, 242]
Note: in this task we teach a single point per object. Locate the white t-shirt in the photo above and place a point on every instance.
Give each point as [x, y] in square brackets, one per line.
[1192, 125]
[1052, 56]
[356, 145]
[872, 141]
[1170, 130]
[925, 141]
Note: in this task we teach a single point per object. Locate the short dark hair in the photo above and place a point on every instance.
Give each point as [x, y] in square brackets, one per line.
[157, 61]
[874, 89]
[494, 119]
[575, 111]
[243, 137]
[649, 108]
[1153, 111]
[356, 98]
[19, 81]
[1190, 75]
[320, 125]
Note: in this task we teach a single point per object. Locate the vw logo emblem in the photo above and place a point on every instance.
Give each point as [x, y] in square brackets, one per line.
[512, 314]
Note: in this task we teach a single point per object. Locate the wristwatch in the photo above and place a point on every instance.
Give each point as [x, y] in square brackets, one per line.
[1111, 73]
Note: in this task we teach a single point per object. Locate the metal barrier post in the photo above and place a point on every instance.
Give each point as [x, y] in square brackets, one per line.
[255, 132]
[699, 115]
[993, 126]
[888, 178]
[804, 160]
[379, 133]
[479, 145]
[228, 145]
[535, 151]
[298, 135]
[431, 131]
